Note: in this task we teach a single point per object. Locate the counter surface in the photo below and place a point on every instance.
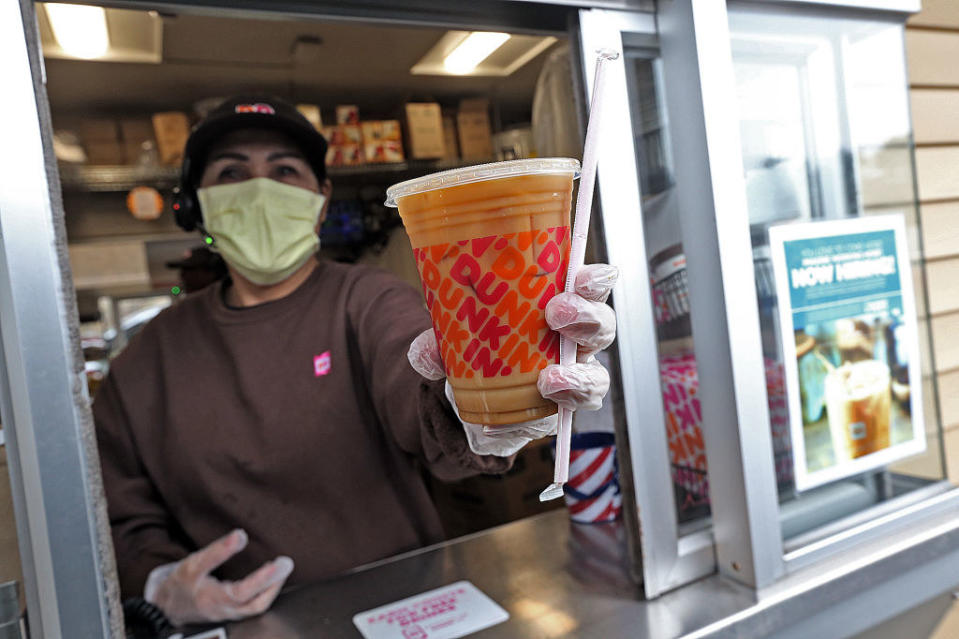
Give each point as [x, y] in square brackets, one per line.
[555, 578]
[559, 579]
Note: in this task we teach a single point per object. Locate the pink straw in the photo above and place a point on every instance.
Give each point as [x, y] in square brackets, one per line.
[584, 201]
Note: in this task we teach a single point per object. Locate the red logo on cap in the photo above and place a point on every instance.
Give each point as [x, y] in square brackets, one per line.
[259, 107]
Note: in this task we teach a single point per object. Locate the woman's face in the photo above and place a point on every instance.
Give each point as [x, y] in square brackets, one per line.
[251, 153]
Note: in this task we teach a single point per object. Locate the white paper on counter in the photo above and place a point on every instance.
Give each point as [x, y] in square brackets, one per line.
[449, 612]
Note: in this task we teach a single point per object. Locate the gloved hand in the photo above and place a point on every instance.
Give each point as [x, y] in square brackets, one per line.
[584, 317]
[186, 592]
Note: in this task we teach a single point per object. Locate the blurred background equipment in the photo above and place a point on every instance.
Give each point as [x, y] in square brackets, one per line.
[199, 268]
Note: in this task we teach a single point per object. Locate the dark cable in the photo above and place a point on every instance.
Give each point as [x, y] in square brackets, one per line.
[144, 620]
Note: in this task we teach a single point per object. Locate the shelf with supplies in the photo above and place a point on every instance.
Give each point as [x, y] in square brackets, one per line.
[107, 179]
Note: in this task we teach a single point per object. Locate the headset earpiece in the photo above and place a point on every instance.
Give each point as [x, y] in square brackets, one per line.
[186, 209]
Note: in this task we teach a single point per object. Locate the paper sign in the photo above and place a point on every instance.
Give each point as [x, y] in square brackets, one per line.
[109, 263]
[850, 345]
[445, 613]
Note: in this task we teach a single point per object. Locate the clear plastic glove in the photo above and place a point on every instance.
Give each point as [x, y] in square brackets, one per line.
[186, 592]
[502, 441]
[584, 317]
[580, 386]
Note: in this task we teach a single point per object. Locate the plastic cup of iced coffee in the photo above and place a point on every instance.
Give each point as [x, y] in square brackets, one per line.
[858, 403]
[491, 244]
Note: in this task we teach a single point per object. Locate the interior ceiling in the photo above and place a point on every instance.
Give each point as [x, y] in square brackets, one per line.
[305, 61]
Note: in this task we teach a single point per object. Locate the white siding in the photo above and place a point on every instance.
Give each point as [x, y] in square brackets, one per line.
[943, 281]
[935, 115]
[937, 13]
[932, 57]
[940, 228]
[938, 172]
[945, 335]
[949, 399]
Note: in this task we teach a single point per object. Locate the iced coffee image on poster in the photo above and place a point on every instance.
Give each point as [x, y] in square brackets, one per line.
[854, 386]
[850, 340]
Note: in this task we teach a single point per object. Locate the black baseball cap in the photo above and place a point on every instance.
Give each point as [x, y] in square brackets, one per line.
[251, 112]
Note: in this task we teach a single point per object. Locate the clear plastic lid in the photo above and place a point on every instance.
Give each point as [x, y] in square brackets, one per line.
[479, 173]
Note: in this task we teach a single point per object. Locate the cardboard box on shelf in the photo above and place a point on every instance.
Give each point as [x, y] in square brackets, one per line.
[98, 130]
[136, 130]
[381, 130]
[424, 130]
[347, 114]
[380, 151]
[475, 134]
[312, 113]
[344, 155]
[449, 137]
[332, 135]
[350, 134]
[483, 501]
[172, 128]
[102, 153]
[352, 154]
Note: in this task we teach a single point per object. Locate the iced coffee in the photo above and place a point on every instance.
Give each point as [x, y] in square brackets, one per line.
[858, 402]
[492, 248]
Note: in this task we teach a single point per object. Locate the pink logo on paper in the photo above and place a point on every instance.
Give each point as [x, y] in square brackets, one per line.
[409, 616]
[321, 364]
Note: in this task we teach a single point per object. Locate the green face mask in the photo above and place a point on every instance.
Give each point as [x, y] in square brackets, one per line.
[264, 229]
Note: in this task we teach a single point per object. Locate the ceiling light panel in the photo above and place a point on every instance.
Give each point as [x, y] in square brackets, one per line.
[472, 50]
[511, 54]
[103, 35]
[80, 31]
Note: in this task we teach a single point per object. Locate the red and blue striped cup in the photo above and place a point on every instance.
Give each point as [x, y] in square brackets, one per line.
[592, 492]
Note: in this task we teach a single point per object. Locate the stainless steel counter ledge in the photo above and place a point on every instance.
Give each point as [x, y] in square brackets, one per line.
[559, 579]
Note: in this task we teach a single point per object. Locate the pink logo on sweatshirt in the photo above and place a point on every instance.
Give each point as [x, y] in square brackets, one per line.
[321, 364]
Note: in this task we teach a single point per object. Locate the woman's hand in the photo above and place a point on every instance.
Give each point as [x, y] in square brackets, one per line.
[187, 593]
[582, 316]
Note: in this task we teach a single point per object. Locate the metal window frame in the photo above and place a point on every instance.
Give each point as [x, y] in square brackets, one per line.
[883, 519]
[53, 478]
[899, 6]
[668, 558]
[44, 433]
[518, 16]
[700, 91]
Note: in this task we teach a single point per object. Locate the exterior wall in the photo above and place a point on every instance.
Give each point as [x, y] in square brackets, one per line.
[932, 44]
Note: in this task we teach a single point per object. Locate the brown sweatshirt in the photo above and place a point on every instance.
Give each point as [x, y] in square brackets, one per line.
[299, 420]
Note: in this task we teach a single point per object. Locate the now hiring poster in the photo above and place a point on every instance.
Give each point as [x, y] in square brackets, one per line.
[850, 345]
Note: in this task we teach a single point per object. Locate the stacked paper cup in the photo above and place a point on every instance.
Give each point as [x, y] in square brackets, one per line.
[592, 492]
[684, 423]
